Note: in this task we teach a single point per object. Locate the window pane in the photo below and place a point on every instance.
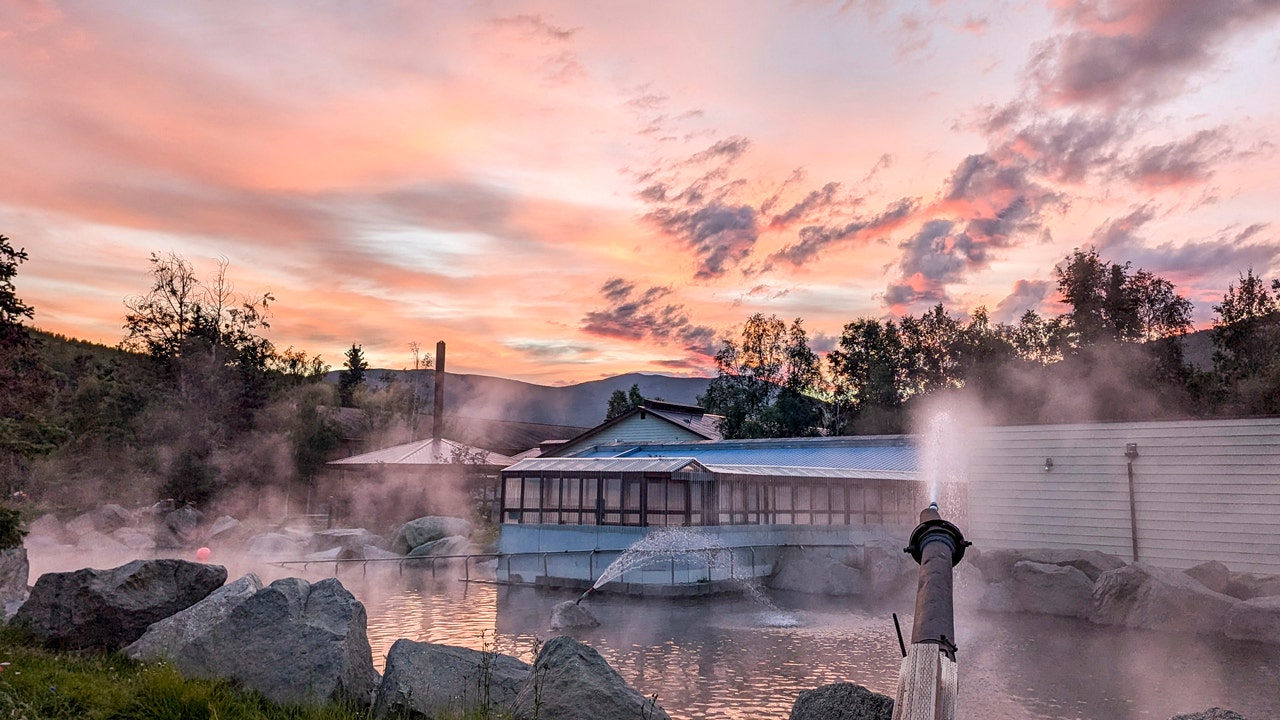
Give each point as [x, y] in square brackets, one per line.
[783, 498]
[531, 494]
[676, 496]
[657, 496]
[572, 493]
[612, 493]
[802, 497]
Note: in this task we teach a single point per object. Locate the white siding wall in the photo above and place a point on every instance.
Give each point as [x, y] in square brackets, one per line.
[1204, 490]
[651, 429]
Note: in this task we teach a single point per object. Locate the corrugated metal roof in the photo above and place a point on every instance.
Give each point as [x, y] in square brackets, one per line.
[423, 452]
[708, 426]
[836, 453]
[577, 464]
[819, 472]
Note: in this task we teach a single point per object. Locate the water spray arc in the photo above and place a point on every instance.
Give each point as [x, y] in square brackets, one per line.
[928, 681]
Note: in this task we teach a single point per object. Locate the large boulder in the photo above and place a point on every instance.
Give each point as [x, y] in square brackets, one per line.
[1145, 596]
[293, 641]
[1213, 575]
[442, 680]
[109, 609]
[179, 528]
[1247, 586]
[570, 681]
[426, 529]
[571, 614]
[103, 519]
[997, 565]
[452, 545]
[14, 569]
[815, 571]
[1257, 619]
[841, 701]
[1051, 589]
[165, 639]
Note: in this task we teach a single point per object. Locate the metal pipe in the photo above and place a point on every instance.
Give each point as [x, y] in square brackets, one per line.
[928, 679]
[938, 546]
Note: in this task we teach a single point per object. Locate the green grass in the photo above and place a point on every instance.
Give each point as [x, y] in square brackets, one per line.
[40, 684]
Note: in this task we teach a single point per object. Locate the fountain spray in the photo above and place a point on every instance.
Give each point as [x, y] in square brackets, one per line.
[928, 680]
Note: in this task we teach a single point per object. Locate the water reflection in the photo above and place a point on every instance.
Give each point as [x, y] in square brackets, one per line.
[727, 659]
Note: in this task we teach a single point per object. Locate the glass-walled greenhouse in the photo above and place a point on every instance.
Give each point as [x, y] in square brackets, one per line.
[660, 491]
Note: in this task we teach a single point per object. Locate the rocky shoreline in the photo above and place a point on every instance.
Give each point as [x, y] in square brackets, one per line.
[305, 642]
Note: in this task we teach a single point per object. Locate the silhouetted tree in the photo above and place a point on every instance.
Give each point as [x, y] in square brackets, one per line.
[869, 369]
[1246, 334]
[621, 402]
[353, 376]
[767, 383]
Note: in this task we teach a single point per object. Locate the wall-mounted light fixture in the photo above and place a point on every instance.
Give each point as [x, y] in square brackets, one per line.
[1048, 464]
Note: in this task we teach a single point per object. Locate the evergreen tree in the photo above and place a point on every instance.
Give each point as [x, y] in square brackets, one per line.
[353, 376]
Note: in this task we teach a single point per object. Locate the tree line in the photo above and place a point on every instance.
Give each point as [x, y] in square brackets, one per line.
[1117, 354]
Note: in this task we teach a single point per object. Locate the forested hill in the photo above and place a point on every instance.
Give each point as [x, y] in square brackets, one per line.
[581, 405]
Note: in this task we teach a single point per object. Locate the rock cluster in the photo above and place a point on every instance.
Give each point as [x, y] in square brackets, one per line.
[842, 701]
[113, 533]
[1207, 599]
[877, 569]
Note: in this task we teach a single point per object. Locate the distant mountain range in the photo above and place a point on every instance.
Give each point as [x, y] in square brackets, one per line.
[482, 397]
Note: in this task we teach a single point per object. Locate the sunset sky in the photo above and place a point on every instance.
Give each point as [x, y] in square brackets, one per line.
[569, 190]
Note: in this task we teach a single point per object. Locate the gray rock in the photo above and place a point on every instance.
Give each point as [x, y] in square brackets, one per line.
[330, 555]
[293, 641]
[1214, 713]
[111, 608]
[570, 614]
[81, 525]
[887, 570]
[842, 701]
[816, 572]
[134, 539]
[352, 539]
[373, 552]
[223, 526]
[1213, 575]
[442, 680]
[180, 528]
[48, 526]
[100, 544]
[111, 517]
[999, 597]
[273, 545]
[1052, 589]
[1247, 586]
[454, 545]
[997, 565]
[570, 681]
[1145, 596]
[426, 529]
[165, 639]
[1257, 619]
[14, 570]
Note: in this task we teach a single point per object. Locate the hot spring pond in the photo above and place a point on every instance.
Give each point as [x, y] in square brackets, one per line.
[733, 657]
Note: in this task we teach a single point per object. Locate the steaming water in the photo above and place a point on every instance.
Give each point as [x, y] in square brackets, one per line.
[718, 658]
[682, 543]
[721, 658]
[664, 545]
[942, 460]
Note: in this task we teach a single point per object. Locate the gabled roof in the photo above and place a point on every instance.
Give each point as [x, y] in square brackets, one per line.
[687, 417]
[424, 452]
[574, 464]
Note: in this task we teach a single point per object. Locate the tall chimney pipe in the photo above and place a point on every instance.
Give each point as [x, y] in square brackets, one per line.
[928, 683]
[437, 399]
